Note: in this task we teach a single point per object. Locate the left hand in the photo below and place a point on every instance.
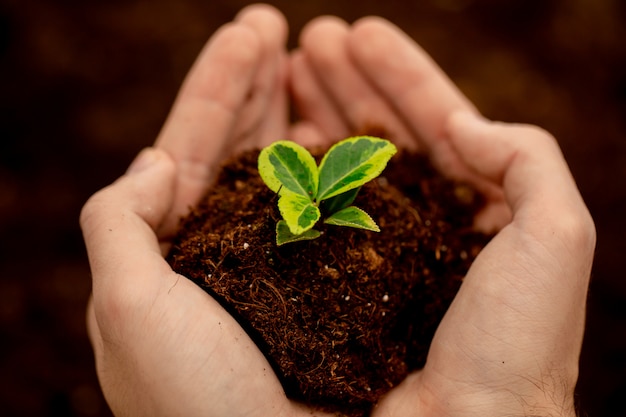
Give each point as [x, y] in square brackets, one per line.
[163, 346]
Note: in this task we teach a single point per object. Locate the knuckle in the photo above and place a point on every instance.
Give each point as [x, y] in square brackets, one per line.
[93, 208]
[576, 230]
[115, 310]
[535, 135]
[582, 231]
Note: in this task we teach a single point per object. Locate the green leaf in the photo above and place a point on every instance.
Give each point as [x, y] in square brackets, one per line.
[284, 235]
[339, 202]
[287, 164]
[353, 217]
[351, 163]
[299, 212]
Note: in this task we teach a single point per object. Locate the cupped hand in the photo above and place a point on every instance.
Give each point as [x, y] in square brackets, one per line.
[510, 342]
[163, 347]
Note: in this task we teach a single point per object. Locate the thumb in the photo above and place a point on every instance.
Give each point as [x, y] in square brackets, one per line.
[160, 342]
[118, 225]
[524, 160]
[146, 189]
[523, 299]
[547, 249]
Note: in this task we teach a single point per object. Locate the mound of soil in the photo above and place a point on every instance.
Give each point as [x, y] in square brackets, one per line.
[345, 317]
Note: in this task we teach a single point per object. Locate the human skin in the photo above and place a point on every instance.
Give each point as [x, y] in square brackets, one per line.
[510, 342]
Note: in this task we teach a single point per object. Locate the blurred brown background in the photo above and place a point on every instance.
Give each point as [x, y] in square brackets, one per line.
[86, 84]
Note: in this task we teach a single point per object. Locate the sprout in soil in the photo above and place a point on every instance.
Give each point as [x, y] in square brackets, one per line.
[308, 192]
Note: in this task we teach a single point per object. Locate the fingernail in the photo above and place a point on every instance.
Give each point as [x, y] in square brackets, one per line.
[146, 158]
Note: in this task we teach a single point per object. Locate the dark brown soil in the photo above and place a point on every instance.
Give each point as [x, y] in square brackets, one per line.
[345, 317]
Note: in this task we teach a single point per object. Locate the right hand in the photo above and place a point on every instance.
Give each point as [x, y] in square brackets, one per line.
[510, 342]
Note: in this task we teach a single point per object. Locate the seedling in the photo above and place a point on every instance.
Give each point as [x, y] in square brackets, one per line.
[308, 192]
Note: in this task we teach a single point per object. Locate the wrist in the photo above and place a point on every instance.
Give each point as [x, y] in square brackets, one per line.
[544, 401]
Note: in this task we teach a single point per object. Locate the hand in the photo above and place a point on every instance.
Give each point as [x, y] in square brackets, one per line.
[163, 347]
[510, 342]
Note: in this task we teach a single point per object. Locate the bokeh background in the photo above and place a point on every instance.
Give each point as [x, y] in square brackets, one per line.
[85, 84]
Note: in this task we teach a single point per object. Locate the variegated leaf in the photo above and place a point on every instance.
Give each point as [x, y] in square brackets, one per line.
[298, 211]
[351, 163]
[290, 166]
[353, 217]
[284, 235]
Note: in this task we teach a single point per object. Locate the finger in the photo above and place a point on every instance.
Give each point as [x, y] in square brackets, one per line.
[118, 225]
[525, 161]
[275, 121]
[324, 43]
[264, 118]
[307, 134]
[124, 254]
[271, 114]
[411, 82]
[312, 102]
[200, 124]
